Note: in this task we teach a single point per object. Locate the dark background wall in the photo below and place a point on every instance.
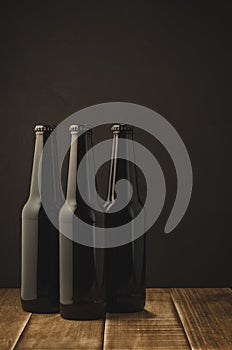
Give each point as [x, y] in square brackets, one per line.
[171, 56]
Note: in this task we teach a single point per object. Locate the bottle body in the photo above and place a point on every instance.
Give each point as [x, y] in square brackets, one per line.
[40, 244]
[40, 261]
[82, 280]
[125, 276]
[125, 264]
[82, 276]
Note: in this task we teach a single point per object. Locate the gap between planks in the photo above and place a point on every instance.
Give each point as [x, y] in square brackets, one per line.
[180, 319]
[157, 327]
[13, 319]
[206, 315]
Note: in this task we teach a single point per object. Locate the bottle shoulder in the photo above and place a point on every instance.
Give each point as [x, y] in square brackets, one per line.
[31, 208]
[87, 214]
[34, 206]
[133, 208]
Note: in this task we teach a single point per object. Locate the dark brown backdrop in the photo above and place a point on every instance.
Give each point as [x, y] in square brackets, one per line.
[171, 56]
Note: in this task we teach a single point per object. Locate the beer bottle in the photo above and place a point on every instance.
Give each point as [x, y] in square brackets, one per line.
[40, 239]
[125, 264]
[82, 284]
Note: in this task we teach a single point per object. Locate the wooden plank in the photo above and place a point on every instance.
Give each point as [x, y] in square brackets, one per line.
[206, 315]
[10, 297]
[50, 331]
[158, 327]
[12, 318]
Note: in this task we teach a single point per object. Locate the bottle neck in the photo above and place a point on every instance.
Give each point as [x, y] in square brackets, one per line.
[34, 189]
[71, 184]
[79, 148]
[45, 170]
[122, 169]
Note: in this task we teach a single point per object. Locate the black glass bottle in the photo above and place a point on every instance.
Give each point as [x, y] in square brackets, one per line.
[40, 239]
[82, 282]
[125, 265]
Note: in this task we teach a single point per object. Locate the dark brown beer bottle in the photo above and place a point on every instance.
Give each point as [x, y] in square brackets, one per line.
[125, 264]
[82, 282]
[40, 239]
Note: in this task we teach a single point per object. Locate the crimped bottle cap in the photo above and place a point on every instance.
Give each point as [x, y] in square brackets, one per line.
[74, 129]
[121, 127]
[41, 128]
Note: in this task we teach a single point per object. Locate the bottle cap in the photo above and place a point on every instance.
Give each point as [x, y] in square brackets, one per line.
[73, 129]
[82, 127]
[40, 129]
[116, 128]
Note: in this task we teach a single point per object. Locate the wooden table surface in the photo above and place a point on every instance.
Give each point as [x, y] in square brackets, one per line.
[173, 319]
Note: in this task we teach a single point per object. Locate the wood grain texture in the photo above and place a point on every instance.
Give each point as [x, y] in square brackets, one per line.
[158, 327]
[50, 331]
[10, 297]
[12, 318]
[178, 319]
[206, 315]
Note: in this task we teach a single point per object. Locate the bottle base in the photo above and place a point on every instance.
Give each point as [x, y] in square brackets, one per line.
[83, 311]
[40, 306]
[125, 304]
